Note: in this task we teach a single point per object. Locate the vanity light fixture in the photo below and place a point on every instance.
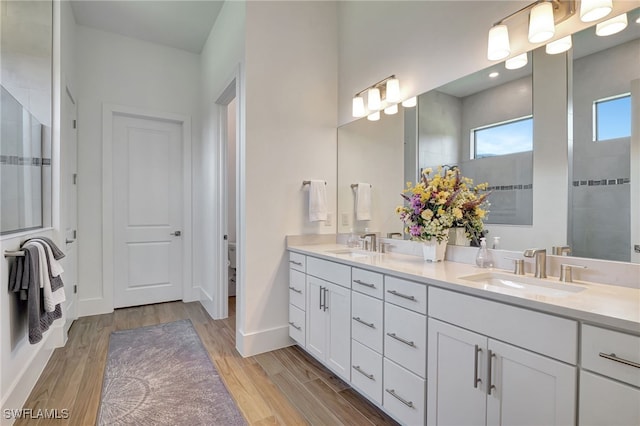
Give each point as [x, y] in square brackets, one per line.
[516, 62]
[358, 107]
[373, 99]
[498, 46]
[612, 26]
[592, 10]
[558, 46]
[393, 90]
[390, 110]
[374, 116]
[541, 23]
[410, 103]
[379, 96]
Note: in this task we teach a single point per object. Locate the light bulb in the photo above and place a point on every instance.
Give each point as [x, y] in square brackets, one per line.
[374, 117]
[612, 26]
[358, 107]
[592, 10]
[393, 90]
[373, 99]
[390, 110]
[498, 46]
[541, 25]
[516, 62]
[494, 74]
[561, 45]
[410, 103]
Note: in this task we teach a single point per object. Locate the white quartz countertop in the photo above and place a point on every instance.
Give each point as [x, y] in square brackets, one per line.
[599, 304]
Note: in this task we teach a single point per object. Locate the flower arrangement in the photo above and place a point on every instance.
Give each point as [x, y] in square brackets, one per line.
[443, 201]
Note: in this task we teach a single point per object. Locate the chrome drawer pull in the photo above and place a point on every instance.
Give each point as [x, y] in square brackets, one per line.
[359, 370]
[293, 324]
[490, 357]
[295, 289]
[400, 339]
[476, 379]
[370, 325]
[613, 357]
[404, 296]
[364, 284]
[393, 393]
[295, 263]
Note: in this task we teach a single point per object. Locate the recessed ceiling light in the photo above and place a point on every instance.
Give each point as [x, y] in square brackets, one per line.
[494, 74]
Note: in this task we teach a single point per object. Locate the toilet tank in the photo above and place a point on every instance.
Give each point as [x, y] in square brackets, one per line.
[232, 254]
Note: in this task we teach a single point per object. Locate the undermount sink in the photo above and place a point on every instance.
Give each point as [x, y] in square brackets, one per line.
[354, 253]
[497, 281]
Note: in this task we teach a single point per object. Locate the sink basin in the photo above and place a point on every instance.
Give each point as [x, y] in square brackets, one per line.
[500, 282]
[353, 253]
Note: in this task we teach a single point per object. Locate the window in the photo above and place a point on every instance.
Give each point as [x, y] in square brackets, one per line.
[612, 118]
[503, 138]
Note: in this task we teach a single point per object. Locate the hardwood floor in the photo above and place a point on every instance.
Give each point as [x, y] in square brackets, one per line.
[282, 387]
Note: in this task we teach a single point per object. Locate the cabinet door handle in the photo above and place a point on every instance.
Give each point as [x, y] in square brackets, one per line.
[295, 263]
[368, 324]
[321, 293]
[293, 324]
[613, 357]
[364, 284]
[400, 339]
[326, 291]
[404, 296]
[476, 379]
[295, 289]
[490, 357]
[359, 370]
[393, 393]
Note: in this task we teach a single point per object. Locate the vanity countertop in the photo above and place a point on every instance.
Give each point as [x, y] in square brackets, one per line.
[600, 304]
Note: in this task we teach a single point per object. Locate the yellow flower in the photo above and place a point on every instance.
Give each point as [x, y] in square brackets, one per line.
[457, 213]
[399, 209]
[479, 212]
[427, 171]
[427, 214]
[441, 211]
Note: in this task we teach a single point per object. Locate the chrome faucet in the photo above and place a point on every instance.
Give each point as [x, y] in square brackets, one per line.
[394, 234]
[372, 245]
[541, 261]
[561, 250]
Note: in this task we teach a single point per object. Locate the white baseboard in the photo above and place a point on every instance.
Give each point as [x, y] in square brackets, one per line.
[24, 383]
[249, 344]
[88, 307]
[207, 303]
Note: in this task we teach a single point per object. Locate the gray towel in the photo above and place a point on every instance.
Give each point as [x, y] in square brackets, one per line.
[57, 253]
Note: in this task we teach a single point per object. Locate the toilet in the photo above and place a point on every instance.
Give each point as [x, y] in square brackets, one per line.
[231, 253]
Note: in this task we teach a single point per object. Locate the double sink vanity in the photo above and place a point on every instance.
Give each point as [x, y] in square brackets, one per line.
[449, 343]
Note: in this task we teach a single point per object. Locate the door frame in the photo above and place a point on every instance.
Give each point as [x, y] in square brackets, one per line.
[109, 111]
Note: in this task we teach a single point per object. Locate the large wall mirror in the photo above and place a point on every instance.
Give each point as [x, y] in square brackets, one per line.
[26, 46]
[487, 127]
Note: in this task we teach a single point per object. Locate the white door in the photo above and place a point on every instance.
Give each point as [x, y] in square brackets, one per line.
[456, 385]
[529, 389]
[69, 172]
[147, 182]
[605, 402]
[316, 317]
[338, 305]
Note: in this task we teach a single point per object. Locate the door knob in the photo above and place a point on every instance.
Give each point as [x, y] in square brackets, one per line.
[176, 234]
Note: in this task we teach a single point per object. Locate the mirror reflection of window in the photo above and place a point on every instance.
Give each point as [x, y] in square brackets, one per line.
[612, 118]
[503, 138]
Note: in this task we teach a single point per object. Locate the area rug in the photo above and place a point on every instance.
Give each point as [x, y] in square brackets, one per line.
[162, 375]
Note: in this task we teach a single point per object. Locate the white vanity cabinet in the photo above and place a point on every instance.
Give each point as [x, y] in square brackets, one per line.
[328, 314]
[470, 366]
[609, 390]
[297, 298]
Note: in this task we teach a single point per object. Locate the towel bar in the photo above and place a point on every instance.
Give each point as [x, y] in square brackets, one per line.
[18, 253]
[355, 185]
[308, 182]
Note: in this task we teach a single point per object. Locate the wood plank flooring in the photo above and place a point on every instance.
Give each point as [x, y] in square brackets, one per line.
[283, 387]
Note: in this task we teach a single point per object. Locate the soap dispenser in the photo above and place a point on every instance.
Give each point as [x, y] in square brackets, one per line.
[483, 258]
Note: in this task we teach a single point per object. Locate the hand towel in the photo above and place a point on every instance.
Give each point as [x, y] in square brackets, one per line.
[317, 200]
[363, 201]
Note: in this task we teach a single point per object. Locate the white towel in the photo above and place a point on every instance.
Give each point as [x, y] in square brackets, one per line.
[50, 298]
[317, 200]
[363, 201]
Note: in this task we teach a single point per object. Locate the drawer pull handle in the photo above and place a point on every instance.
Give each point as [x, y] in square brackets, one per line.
[404, 296]
[295, 289]
[476, 379]
[364, 284]
[490, 357]
[613, 357]
[400, 339]
[293, 324]
[368, 324]
[393, 393]
[295, 263]
[359, 370]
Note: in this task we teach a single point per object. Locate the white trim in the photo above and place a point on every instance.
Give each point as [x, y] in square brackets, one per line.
[258, 342]
[105, 304]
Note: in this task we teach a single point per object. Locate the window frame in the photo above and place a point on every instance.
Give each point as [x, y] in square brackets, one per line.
[594, 116]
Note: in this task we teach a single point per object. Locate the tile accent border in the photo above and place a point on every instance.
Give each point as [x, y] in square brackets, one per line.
[601, 182]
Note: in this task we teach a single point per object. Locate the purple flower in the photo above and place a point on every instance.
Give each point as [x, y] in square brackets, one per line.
[415, 230]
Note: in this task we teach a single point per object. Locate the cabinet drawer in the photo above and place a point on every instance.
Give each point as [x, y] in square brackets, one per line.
[405, 338]
[366, 371]
[367, 282]
[297, 287]
[404, 394]
[605, 402]
[615, 345]
[366, 320]
[546, 334]
[406, 293]
[297, 261]
[329, 271]
[297, 325]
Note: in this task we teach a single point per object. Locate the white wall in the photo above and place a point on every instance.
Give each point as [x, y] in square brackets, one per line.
[119, 70]
[291, 101]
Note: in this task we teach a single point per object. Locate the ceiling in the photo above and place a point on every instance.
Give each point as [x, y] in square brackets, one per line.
[183, 24]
